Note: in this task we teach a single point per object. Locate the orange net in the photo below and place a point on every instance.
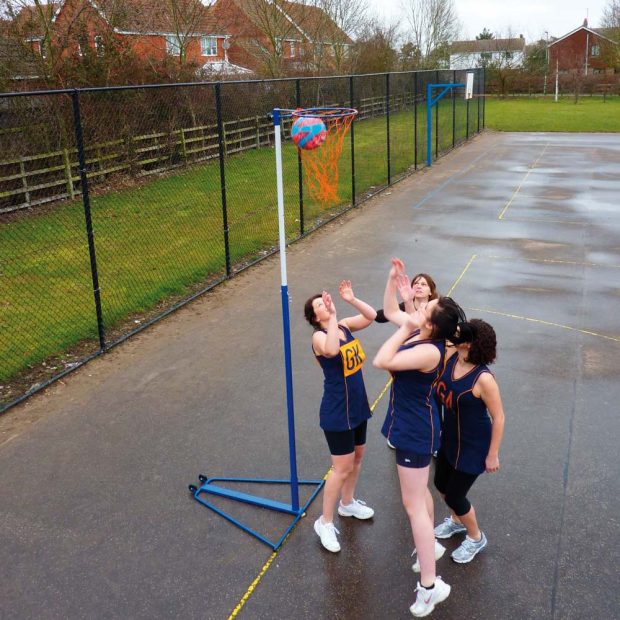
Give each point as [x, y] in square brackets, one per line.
[321, 164]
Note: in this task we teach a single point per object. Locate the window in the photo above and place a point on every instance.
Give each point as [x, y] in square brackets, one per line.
[208, 46]
[486, 56]
[508, 55]
[292, 49]
[99, 46]
[278, 45]
[173, 45]
[596, 51]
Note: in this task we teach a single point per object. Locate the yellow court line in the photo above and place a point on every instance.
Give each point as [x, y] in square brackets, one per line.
[471, 260]
[551, 260]
[273, 556]
[514, 195]
[542, 322]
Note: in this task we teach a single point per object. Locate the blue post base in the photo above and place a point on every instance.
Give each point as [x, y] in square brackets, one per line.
[209, 488]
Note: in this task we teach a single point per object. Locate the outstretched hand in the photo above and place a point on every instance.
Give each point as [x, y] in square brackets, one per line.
[398, 268]
[403, 285]
[346, 291]
[329, 304]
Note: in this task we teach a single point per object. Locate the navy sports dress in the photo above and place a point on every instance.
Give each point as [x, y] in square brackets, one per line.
[344, 405]
[412, 420]
[467, 425]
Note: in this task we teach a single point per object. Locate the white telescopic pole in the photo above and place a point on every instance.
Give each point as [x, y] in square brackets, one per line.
[556, 81]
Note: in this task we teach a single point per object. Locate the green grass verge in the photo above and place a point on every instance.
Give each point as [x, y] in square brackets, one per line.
[589, 114]
[165, 237]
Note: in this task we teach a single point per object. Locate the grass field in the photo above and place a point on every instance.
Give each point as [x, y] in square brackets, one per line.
[589, 114]
[165, 237]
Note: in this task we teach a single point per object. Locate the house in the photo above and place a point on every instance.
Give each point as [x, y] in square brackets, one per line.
[237, 37]
[585, 50]
[275, 37]
[484, 52]
[185, 30]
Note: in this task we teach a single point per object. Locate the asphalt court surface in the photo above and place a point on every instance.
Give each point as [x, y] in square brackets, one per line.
[524, 231]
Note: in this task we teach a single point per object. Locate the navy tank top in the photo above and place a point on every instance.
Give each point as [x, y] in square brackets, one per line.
[412, 420]
[345, 404]
[467, 425]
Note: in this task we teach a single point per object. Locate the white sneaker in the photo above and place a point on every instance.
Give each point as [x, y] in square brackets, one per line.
[357, 508]
[327, 533]
[391, 445]
[427, 599]
[439, 551]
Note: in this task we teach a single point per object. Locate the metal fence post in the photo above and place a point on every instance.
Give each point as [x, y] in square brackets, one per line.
[437, 119]
[387, 117]
[352, 133]
[453, 93]
[484, 96]
[415, 120]
[300, 176]
[79, 140]
[220, 138]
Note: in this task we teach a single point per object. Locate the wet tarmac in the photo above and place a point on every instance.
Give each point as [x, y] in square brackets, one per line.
[96, 520]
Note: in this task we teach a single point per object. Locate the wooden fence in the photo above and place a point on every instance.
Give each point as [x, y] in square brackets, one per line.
[37, 179]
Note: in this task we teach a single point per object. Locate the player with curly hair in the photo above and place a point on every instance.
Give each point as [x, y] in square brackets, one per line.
[471, 434]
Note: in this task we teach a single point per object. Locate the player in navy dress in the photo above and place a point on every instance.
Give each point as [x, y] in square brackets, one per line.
[344, 407]
[472, 432]
[414, 355]
[415, 297]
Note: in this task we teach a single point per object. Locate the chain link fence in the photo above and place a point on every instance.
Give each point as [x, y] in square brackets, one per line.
[118, 205]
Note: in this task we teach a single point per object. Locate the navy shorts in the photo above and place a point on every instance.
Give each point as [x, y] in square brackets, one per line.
[344, 442]
[412, 460]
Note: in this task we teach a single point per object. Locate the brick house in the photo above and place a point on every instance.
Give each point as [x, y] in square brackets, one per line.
[152, 31]
[585, 50]
[484, 52]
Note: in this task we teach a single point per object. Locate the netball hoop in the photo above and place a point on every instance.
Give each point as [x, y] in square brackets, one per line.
[321, 164]
[207, 484]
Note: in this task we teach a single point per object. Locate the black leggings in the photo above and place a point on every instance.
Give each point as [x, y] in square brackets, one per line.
[453, 484]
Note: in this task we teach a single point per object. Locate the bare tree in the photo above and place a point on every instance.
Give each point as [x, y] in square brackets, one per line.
[611, 16]
[264, 26]
[433, 23]
[349, 18]
[375, 49]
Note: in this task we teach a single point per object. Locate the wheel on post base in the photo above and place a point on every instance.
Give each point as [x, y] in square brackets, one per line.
[202, 478]
[192, 489]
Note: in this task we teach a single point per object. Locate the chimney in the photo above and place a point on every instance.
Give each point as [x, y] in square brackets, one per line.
[585, 22]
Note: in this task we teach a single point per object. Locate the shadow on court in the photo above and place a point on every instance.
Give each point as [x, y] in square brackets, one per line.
[523, 230]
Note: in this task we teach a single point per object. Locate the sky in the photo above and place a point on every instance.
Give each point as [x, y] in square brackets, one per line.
[528, 17]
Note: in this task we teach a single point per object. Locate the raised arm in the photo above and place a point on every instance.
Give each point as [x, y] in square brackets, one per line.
[489, 392]
[422, 357]
[367, 313]
[328, 344]
[390, 302]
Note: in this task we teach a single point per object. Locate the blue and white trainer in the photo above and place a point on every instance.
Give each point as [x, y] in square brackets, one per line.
[449, 528]
[469, 548]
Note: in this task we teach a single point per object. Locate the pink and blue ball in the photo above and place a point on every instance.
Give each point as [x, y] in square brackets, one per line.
[308, 132]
